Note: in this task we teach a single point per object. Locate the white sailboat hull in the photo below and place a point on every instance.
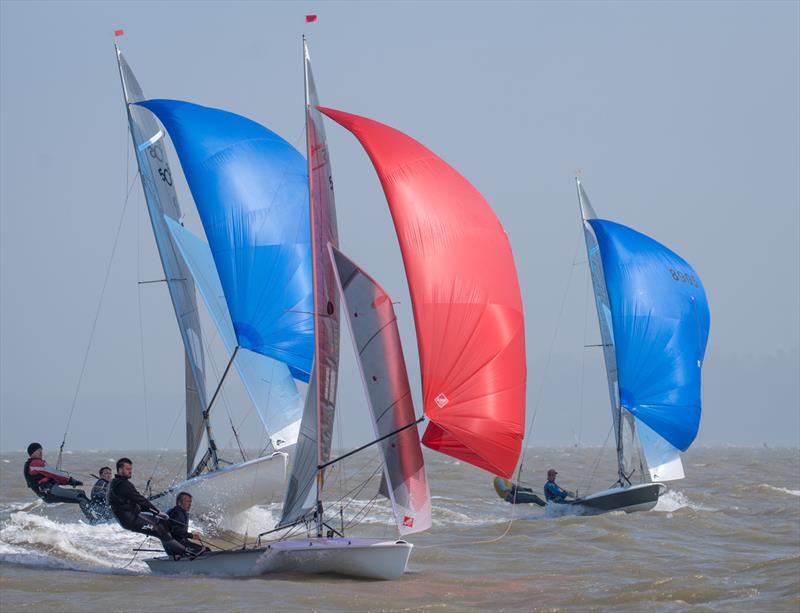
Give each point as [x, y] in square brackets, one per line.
[358, 558]
[642, 497]
[233, 489]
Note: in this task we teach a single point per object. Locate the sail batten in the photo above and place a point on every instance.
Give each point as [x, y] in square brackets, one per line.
[465, 296]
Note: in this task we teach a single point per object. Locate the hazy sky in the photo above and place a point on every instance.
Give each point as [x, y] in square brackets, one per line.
[683, 118]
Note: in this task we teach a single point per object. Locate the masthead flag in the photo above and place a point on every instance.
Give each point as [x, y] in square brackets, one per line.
[119, 32]
[310, 18]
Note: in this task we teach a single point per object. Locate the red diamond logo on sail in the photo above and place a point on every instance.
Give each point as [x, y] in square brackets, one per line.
[408, 522]
[441, 400]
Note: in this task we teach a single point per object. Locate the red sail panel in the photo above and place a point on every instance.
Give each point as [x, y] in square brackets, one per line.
[465, 295]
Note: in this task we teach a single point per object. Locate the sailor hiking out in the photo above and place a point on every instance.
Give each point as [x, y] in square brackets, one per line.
[129, 506]
[47, 482]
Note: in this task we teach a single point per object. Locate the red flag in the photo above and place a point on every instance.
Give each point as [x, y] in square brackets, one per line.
[310, 18]
[119, 32]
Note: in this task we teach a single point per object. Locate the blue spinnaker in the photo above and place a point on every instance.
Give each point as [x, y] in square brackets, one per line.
[660, 321]
[267, 381]
[251, 190]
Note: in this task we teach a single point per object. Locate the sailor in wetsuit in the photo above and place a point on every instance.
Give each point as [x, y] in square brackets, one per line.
[552, 492]
[46, 482]
[99, 496]
[179, 524]
[128, 505]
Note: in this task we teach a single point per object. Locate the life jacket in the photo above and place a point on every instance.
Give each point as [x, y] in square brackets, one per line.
[100, 492]
[33, 481]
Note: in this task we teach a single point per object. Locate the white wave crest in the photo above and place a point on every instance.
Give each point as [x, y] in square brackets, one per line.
[785, 490]
[252, 521]
[34, 540]
[672, 500]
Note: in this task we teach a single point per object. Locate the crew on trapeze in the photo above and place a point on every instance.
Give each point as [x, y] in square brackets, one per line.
[179, 525]
[129, 507]
[552, 492]
[47, 482]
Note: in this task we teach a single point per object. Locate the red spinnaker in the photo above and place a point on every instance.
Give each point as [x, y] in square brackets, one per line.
[466, 299]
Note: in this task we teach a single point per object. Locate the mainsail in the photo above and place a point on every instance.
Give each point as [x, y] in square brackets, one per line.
[379, 354]
[660, 322]
[268, 382]
[465, 295]
[162, 204]
[623, 423]
[314, 442]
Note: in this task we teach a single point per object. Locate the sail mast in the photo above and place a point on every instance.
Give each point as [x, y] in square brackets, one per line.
[602, 304]
[315, 379]
[162, 202]
[306, 480]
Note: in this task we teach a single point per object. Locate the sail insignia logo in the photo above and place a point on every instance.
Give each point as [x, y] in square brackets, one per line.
[408, 522]
[441, 400]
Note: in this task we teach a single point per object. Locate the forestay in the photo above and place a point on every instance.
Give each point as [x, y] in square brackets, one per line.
[268, 382]
[249, 186]
[465, 295]
[314, 442]
[379, 354]
[162, 203]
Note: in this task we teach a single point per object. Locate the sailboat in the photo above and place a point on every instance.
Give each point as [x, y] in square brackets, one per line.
[654, 322]
[470, 331]
[254, 278]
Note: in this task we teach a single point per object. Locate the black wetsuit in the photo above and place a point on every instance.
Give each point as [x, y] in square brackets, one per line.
[523, 495]
[128, 504]
[179, 527]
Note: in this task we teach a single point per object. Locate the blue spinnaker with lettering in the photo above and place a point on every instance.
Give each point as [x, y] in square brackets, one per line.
[660, 321]
[251, 190]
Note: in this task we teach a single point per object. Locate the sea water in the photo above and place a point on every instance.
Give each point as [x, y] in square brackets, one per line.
[726, 538]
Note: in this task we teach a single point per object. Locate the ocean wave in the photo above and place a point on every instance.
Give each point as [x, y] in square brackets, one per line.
[13, 507]
[35, 540]
[785, 490]
[673, 500]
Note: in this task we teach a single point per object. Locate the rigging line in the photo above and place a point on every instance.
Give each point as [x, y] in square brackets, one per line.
[358, 518]
[96, 318]
[599, 457]
[136, 552]
[583, 360]
[141, 324]
[529, 428]
[355, 491]
[495, 539]
[164, 448]
[377, 440]
[224, 396]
